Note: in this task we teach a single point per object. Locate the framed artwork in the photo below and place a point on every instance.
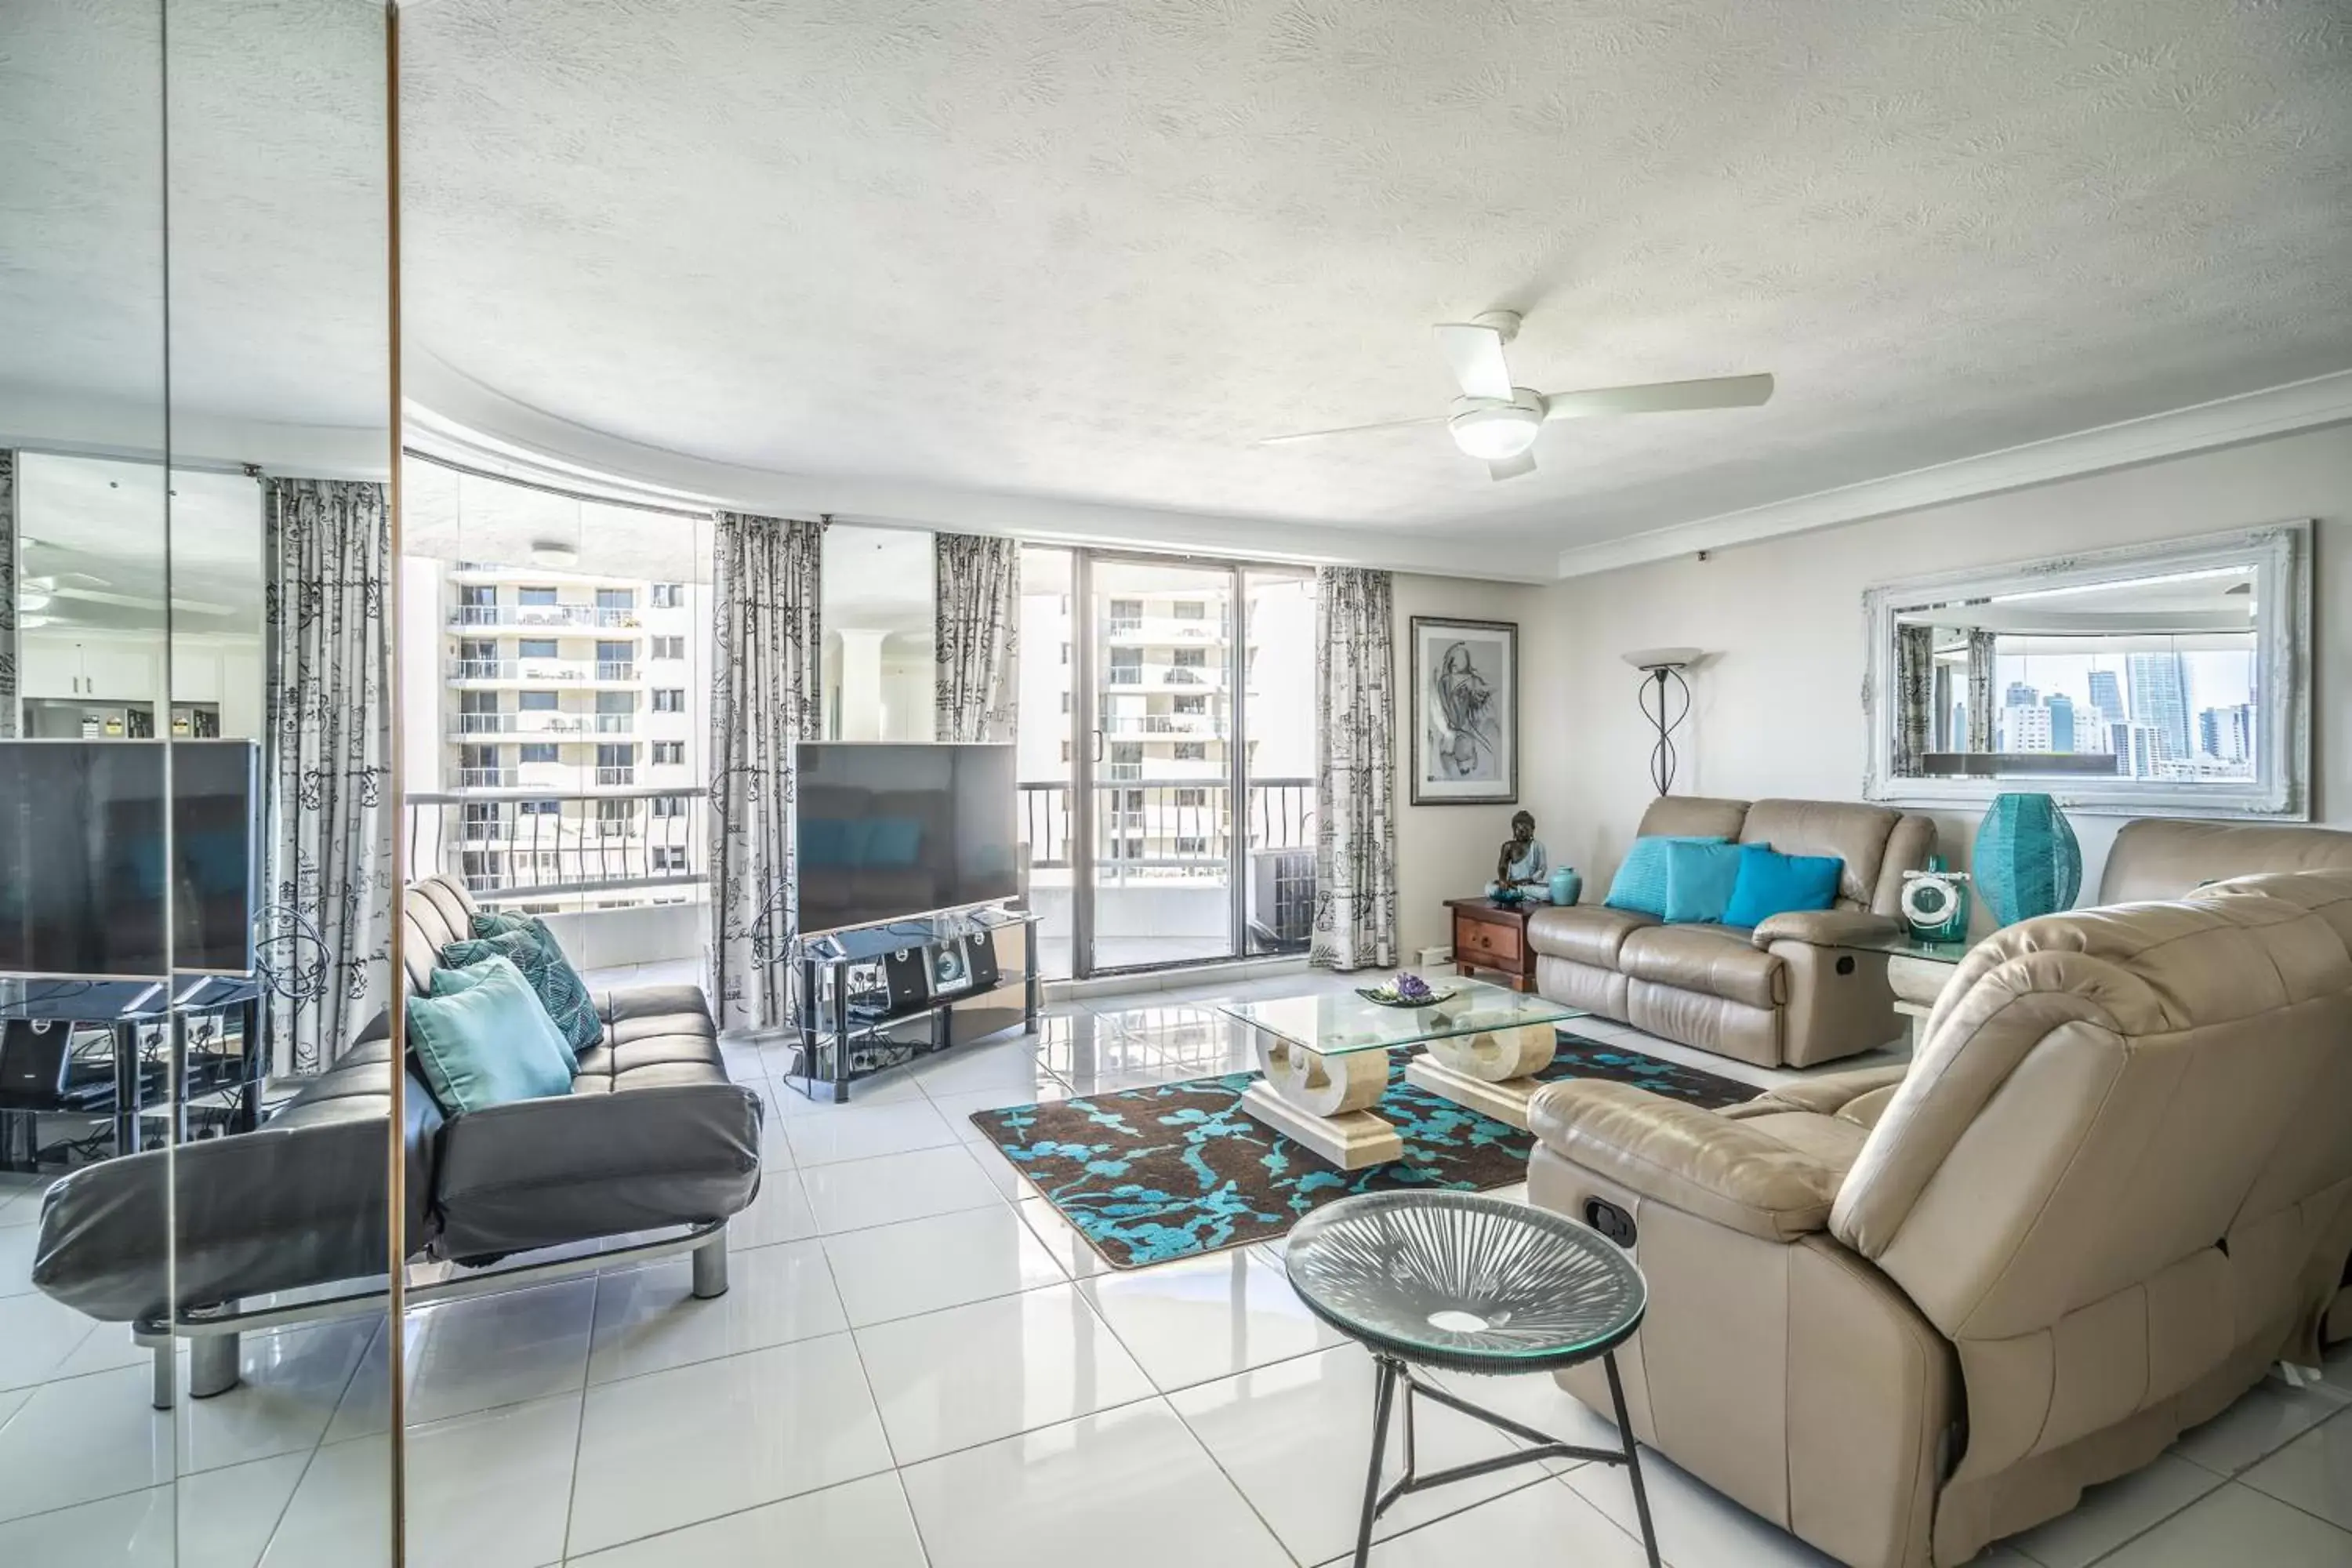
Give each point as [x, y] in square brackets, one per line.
[1466, 711]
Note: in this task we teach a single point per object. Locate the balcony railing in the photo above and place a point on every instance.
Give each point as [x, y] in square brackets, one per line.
[1208, 724]
[1152, 676]
[554, 725]
[593, 618]
[1182, 826]
[551, 670]
[505, 853]
[485, 778]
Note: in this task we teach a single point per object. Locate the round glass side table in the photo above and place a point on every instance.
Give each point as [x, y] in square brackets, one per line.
[1474, 1284]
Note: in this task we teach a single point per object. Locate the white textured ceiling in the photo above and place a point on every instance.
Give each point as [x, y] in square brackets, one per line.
[1093, 250]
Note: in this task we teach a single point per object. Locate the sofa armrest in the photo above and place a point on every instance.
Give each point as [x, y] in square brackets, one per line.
[1719, 1169]
[1825, 928]
[1830, 1095]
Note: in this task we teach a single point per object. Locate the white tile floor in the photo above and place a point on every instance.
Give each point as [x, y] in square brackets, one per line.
[919, 1365]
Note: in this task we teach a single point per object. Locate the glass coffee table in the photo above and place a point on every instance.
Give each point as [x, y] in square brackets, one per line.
[1325, 1061]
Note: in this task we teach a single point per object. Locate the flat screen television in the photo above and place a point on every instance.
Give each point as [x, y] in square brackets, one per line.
[83, 858]
[884, 831]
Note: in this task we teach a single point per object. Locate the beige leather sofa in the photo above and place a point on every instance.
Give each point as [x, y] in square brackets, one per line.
[1786, 993]
[1903, 1315]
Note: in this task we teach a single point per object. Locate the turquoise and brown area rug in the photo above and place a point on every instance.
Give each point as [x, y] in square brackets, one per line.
[1178, 1169]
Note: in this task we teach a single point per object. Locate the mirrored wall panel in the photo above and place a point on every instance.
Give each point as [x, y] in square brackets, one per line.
[195, 790]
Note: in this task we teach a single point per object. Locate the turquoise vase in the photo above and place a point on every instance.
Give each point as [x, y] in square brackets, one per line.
[1567, 887]
[2027, 862]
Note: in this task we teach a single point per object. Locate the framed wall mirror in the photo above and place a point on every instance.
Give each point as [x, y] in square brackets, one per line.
[2171, 678]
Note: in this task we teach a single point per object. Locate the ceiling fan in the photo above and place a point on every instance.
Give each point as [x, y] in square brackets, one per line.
[1496, 421]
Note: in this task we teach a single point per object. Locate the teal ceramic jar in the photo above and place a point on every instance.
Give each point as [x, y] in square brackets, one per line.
[1567, 887]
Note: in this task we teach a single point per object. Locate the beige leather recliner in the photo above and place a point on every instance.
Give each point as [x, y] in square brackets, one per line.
[1903, 1313]
[1786, 993]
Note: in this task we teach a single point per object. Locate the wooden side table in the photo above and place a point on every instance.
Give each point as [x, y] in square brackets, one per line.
[1494, 937]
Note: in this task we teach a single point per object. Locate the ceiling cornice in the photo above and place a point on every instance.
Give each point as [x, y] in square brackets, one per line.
[453, 415]
[2230, 421]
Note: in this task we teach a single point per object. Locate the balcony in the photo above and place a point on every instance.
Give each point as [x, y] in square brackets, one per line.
[552, 726]
[543, 617]
[485, 778]
[1128, 725]
[577, 672]
[1167, 631]
[1165, 677]
[556, 855]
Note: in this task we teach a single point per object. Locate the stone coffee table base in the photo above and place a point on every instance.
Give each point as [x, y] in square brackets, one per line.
[1326, 1102]
[1492, 1073]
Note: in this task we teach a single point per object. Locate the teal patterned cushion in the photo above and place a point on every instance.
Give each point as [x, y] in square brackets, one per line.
[481, 1038]
[531, 948]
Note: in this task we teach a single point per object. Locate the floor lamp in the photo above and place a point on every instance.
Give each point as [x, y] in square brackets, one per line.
[1664, 699]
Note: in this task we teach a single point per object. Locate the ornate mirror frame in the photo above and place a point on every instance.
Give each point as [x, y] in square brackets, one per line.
[2280, 555]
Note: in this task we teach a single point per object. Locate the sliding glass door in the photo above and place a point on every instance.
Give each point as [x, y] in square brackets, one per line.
[1159, 772]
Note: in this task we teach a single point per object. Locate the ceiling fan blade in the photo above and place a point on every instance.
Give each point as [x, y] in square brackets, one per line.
[1660, 398]
[1511, 467]
[1352, 430]
[1475, 354]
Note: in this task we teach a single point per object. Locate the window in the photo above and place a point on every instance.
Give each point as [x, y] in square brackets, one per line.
[1192, 705]
[535, 702]
[1126, 615]
[478, 595]
[609, 756]
[543, 597]
[538, 751]
[1191, 610]
[669, 805]
[616, 598]
[1192, 845]
[614, 652]
[541, 807]
[1065, 653]
[1189, 657]
[1191, 797]
[535, 648]
[668, 648]
[668, 596]
[669, 754]
[477, 649]
[614, 816]
[1065, 751]
[1191, 750]
[669, 699]
[669, 858]
[1126, 667]
[616, 702]
[1066, 702]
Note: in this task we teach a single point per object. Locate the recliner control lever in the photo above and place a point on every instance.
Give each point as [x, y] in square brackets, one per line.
[1611, 1222]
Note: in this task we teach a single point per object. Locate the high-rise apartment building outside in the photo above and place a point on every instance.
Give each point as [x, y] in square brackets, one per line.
[2159, 699]
[2107, 696]
[567, 724]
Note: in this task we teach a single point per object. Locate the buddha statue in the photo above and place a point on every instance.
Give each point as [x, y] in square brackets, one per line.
[1521, 865]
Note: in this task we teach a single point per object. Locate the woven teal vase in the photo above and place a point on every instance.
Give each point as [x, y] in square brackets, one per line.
[2027, 862]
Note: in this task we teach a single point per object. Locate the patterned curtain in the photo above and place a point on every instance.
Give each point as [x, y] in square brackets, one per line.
[1355, 795]
[8, 593]
[977, 582]
[764, 700]
[1979, 689]
[328, 767]
[1914, 698]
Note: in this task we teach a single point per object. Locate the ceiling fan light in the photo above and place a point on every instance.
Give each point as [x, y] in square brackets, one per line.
[1501, 431]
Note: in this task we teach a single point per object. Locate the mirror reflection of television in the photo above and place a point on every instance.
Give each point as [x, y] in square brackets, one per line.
[884, 831]
[83, 873]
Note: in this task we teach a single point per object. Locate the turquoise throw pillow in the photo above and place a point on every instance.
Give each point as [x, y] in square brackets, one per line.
[1699, 880]
[532, 949]
[481, 1038]
[1775, 884]
[1641, 882]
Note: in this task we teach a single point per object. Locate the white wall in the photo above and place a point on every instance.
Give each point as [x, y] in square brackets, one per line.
[1778, 710]
[1448, 851]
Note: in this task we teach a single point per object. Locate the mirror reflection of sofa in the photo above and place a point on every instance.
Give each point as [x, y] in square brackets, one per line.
[652, 1135]
[868, 849]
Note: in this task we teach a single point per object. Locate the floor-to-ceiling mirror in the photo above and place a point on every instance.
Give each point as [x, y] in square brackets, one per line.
[196, 890]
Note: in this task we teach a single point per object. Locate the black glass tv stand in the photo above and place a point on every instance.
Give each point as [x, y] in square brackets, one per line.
[877, 997]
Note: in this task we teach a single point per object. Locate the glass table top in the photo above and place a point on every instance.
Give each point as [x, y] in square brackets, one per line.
[1460, 1279]
[1334, 1022]
[1909, 946]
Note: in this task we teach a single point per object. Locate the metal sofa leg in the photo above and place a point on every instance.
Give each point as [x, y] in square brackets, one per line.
[711, 1267]
[165, 1375]
[212, 1365]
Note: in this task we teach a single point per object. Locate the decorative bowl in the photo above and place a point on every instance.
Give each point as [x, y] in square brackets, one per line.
[1392, 995]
